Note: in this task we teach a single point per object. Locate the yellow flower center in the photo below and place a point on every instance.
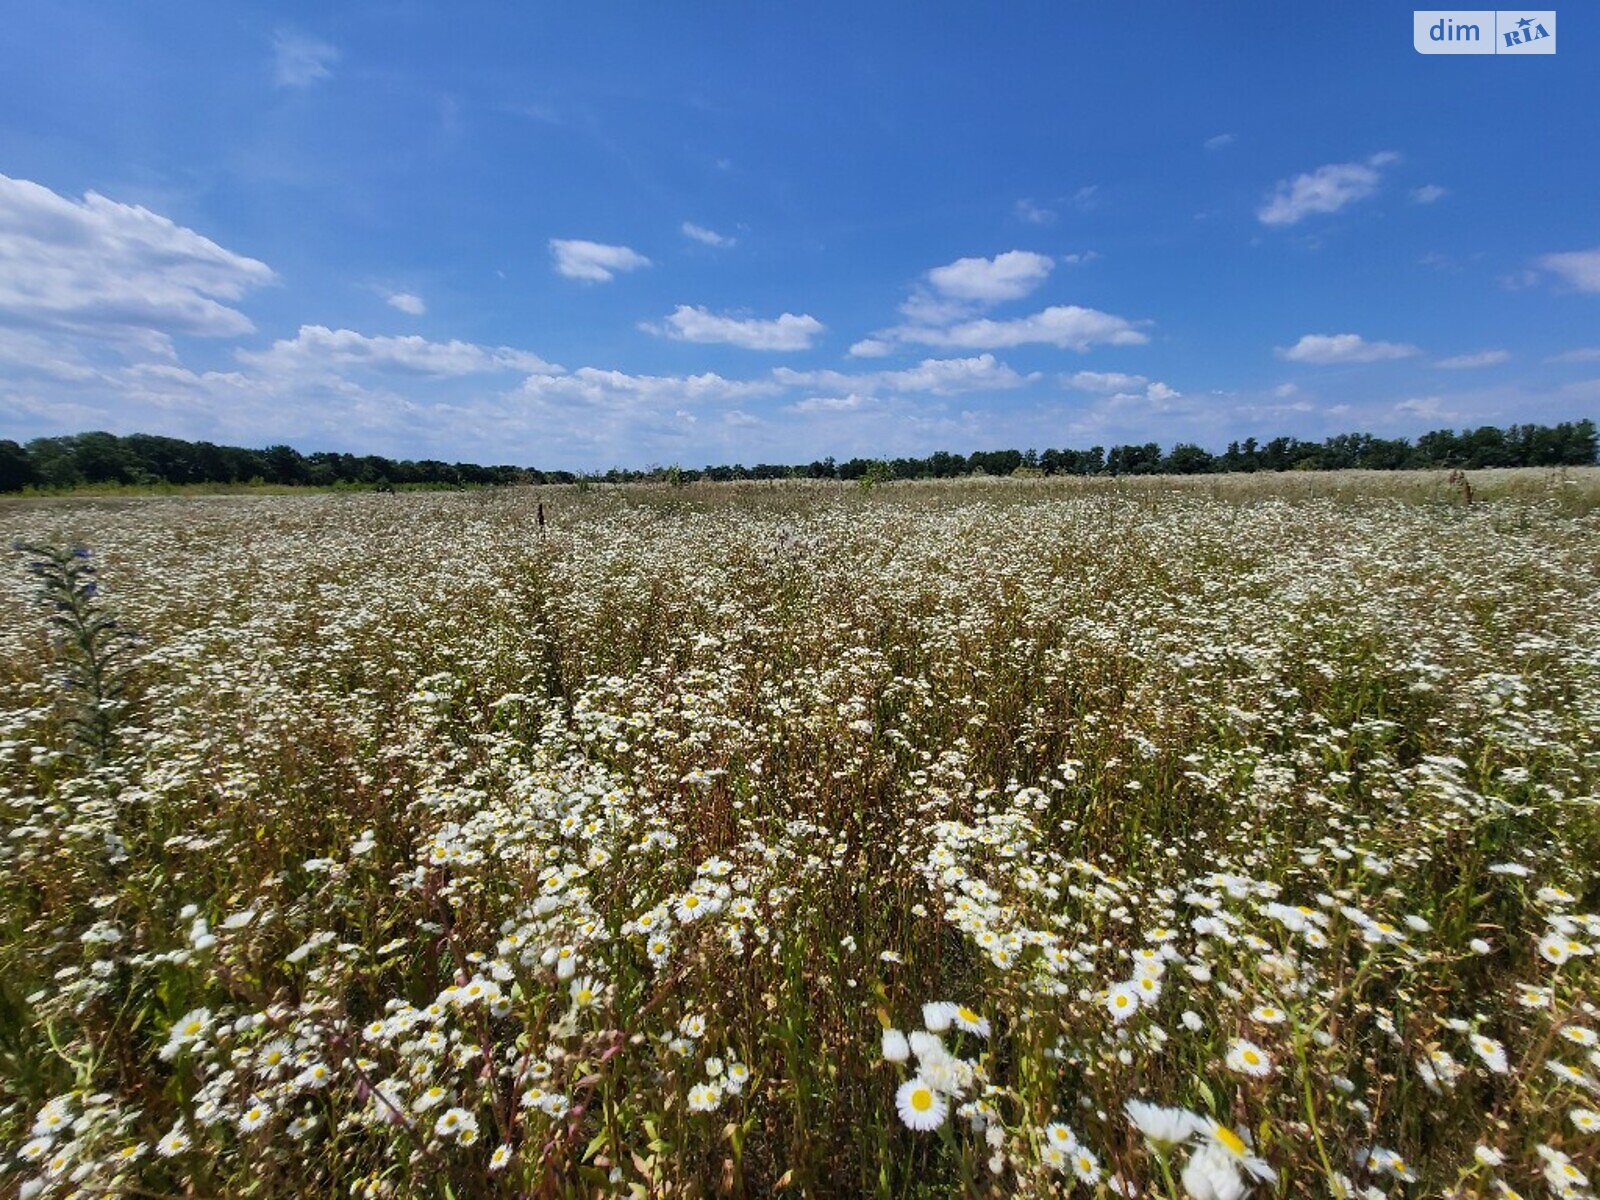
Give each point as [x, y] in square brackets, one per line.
[966, 1014]
[1230, 1140]
[1251, 1057]
[922, 1100]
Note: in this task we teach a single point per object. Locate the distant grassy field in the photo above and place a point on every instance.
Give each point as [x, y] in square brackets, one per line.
[1153, 836]
[1571, 488]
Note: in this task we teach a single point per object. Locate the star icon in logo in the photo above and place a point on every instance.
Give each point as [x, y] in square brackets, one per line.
[1525, 22]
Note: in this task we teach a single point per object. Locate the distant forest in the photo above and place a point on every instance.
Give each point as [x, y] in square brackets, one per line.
[98, 459]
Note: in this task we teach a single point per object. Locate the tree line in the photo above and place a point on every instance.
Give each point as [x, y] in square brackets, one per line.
[88, 459]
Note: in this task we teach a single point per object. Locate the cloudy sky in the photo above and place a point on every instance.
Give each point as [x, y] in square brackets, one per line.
[592, 235]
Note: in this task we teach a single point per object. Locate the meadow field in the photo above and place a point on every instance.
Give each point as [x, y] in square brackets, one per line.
[1214, 837]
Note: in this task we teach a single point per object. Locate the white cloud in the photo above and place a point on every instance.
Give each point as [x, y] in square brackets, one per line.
[1325, 190]
[1466, 362]
[1583, 354]
[251, 406]
[1220, 141]
[1133, 414]
[695, 324]
[344, 390]
[95, 266]
[922, 307]
[950, 376]
[1034, 214]
[1104, 381]
[1431, 407]
[1007, 276]
[340, 389]
[611, 390]
[941, 376]
[1579, 268]
[299, 61]
[1068, 326]
[832, 404]
[944, 309]
[407, 302]
[1324, 348]
[593, 262]
[26, 353]
[317, 349]
[1428, 193]
[709, 237]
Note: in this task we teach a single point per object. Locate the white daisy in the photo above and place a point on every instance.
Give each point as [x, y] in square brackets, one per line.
[1164, 1128]
[937, 1015]
[970, 1022]
[920, 1106]
[455, 1123]
[704, 1097]
[895, 1047]
[1491, 1052]
[1122, 1001]
[1247, 1058]
[1238, 1150]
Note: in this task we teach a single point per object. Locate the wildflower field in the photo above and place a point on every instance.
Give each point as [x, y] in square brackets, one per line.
[1005, 837]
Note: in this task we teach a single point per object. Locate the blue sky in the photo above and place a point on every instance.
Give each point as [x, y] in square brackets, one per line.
[592, 235]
